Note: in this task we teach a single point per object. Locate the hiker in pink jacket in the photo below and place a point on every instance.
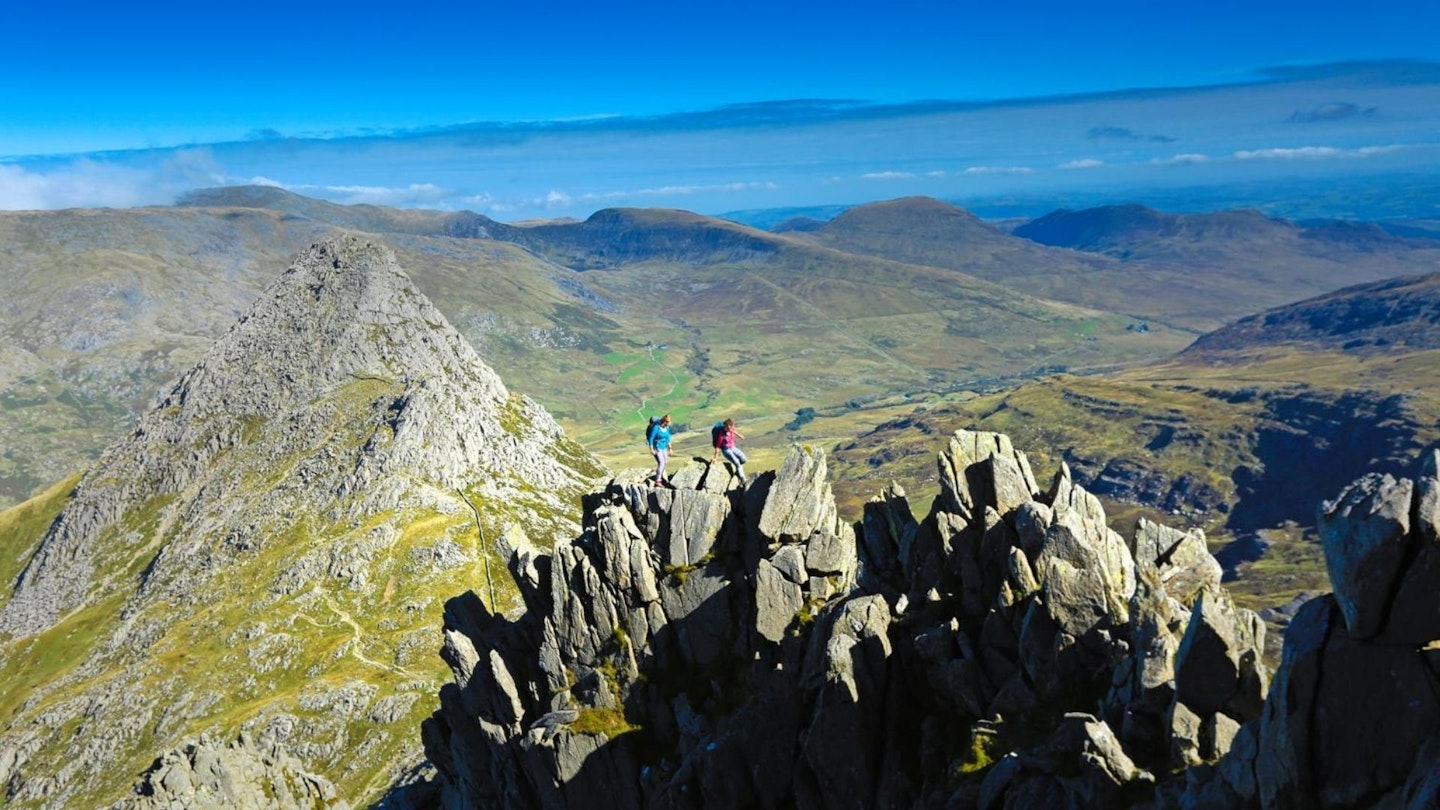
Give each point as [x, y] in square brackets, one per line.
[725, 445]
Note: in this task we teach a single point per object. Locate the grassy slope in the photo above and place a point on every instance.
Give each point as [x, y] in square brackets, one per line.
[1272, 432]
[320, 630]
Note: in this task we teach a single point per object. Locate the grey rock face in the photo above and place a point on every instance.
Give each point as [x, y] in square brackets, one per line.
[213, 775]
[970, 481]
[1366, 537]
[1180, 560]
[670, 606]
[803, 662]
[794, 507]
[1217, 665]
[1352, 718]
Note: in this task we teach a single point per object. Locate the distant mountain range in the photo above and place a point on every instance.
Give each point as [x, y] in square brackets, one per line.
[1373, 197]
[629, 312]
[1192, 271]
[636, 311]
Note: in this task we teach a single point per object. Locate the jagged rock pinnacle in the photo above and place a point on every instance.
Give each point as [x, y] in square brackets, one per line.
[342, 328]
[333, 461]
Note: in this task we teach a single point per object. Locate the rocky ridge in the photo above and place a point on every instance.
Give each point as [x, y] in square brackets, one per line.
[259, 553]
[715, 647]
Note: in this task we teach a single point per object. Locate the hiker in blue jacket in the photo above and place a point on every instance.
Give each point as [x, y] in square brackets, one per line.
[660, 449]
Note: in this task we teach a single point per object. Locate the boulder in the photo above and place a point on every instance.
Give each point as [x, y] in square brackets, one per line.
[799, 500]
[1218, 666]
[1180, 560]
[847, 669]
[777, 601]
[1365, 533]
[970, 481]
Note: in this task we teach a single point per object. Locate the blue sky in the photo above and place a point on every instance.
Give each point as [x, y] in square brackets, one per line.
[535, 109]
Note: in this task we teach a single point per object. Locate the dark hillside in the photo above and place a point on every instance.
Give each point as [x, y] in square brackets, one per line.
[617, 236]
[1122, 230]
[804, 224]
[1398, 313]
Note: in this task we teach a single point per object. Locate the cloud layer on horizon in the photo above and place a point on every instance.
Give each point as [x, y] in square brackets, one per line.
[804, 152]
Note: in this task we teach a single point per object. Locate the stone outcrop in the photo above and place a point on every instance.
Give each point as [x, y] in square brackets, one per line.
[213, 775]
[650, 630]
[1353, 715]
[703, 648]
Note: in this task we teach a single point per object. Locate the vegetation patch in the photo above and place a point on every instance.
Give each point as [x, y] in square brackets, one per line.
[609, 723]
[984, 748]
[23, 526]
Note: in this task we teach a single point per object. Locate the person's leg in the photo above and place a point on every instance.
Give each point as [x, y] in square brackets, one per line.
[661, 456]
[736, 457]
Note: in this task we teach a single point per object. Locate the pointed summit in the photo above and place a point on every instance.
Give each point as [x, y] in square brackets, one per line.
[285, 514]
[341, 350]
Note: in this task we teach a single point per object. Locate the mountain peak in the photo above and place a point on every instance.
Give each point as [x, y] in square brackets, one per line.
[338, 457]
[908, 209]
[616, 236]
[344, 310]
[342, 335]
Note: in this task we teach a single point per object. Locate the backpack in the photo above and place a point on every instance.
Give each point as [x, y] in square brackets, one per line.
[650, 430]
[715, 434]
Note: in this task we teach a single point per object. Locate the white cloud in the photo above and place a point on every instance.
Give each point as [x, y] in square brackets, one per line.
[886, 175]
[414, 195]
[259, 180]
[1183, 159]
[87, 183]
[1312, 152]
[975, 170]
[936, 173]
[555, 199]
[679, 191]
[667, 191]
[1082, 163]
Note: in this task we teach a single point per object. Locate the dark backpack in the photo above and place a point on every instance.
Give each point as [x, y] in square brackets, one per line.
[650, 430]
[715, 434]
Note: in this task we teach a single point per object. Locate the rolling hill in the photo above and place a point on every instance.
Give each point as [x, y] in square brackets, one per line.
[1187, 271]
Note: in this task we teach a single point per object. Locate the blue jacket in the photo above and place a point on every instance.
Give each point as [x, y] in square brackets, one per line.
[660, 439]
